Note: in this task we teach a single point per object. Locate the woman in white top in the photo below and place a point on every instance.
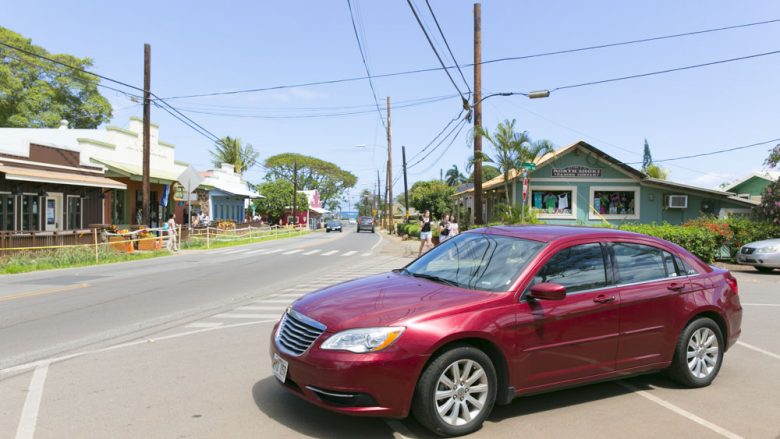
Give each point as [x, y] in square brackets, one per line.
[171, 226]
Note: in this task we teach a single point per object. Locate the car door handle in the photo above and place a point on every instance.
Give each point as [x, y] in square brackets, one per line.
[604, 299]
[675, 286]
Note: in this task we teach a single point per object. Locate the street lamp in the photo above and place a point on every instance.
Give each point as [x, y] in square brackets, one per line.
[539, 94]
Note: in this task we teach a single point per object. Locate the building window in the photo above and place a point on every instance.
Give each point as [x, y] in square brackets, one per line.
[554, 202]
[74, 213]
[614, 202]
[118, 206]
[6, 212]
[31, 212]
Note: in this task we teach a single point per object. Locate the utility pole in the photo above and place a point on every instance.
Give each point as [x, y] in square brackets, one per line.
[295, 191]
[389, 171]
[477, 114]
[146, 183]
[378, 200]
[406, 187]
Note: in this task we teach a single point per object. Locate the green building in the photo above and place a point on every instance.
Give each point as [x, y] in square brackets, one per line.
[580, 184]
[752, 186]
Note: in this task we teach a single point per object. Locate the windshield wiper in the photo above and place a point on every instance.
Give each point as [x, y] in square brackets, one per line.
[434, 278]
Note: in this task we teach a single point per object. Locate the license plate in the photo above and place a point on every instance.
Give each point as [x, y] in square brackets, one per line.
[279, 367]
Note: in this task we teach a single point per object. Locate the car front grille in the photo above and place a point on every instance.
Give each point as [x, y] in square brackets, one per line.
[297, 332]
[748, 250]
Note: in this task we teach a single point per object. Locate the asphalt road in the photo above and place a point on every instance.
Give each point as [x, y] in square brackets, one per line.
[208, 374]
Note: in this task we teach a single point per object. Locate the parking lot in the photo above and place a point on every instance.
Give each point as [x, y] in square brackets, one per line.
[204, 379]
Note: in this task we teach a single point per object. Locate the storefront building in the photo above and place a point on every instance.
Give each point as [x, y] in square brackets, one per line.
[47, 189]
[224, 195]
[580, 184]
[751, 187]
[116, 153]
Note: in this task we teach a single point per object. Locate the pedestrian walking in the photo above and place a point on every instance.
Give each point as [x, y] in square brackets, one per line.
[454, 229]
[426, 232]
[444, 228]
[170, 226]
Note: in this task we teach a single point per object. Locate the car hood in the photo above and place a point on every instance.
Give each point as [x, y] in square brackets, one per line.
[766, 243]
[381, 300]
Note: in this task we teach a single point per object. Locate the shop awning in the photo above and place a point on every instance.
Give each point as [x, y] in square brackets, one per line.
[129, 170]
[54, 177]
[319, 210]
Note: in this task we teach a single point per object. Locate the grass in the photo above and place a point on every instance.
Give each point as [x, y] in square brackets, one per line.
[24, 261]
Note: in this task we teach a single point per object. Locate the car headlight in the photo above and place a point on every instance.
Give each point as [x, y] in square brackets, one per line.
[773, 249]
[363, 340]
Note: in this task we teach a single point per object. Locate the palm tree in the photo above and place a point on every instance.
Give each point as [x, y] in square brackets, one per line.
[454, 176]
[655, 171]
[230, 150]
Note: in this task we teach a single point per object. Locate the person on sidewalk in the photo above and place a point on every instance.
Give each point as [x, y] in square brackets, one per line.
[425, 232]
[171, 227]
[444, 228]
[454, 229]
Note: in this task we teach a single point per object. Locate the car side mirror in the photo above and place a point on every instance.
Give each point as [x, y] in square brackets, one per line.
[548, 291]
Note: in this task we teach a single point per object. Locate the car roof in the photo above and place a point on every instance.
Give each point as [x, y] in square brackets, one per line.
[548, 233]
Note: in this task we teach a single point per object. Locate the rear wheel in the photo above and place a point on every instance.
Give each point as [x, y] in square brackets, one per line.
[456, 392]
[698, 355]
[764, 269]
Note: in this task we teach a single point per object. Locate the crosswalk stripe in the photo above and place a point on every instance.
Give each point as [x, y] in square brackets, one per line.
[275, 301]
[349, 253]
[367, 254]
[253, 252]
[241, 250]
[329, 253]
[298, 250]
[279, 308]
[276, 250]
[229, 315]
[311, 252]
[204, 325]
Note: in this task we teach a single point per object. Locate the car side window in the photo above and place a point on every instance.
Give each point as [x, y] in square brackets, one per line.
[578, 268]
[642, 263]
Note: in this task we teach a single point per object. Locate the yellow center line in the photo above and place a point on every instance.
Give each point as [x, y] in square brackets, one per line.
[43, 292]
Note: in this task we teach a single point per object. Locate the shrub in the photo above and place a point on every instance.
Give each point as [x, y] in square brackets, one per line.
[700, 241]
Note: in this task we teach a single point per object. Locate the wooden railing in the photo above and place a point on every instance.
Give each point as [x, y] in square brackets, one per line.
[46, 239]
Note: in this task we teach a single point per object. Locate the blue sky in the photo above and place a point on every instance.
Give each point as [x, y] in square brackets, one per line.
[200, 46]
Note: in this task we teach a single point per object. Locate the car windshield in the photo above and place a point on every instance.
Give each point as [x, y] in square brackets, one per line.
[476, 261]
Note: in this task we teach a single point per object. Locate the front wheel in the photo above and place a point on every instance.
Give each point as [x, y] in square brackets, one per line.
[698, 355]
[456, 392]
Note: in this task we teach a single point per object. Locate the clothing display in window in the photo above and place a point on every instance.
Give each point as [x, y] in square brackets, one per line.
[563, 201]
[537, 200]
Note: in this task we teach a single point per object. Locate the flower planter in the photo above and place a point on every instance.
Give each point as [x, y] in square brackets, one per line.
[117, 243]
[150, 243]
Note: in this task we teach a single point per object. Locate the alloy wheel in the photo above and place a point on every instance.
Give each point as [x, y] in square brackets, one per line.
[461, 392]
[702, 354]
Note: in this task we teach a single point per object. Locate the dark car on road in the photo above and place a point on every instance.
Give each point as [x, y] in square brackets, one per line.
[333, 224]
[503, 312]
[365, 223]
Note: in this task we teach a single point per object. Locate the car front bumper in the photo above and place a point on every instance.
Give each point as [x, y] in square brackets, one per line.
[380, 384]
[760, 259]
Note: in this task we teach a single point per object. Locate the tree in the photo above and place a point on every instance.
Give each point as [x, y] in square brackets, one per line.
[365, 204]
[512, 149]
[278, 199]
[232, 151]
[656, 171]
[769, 208]
[35, 93]
[647, 158]
[454, 177]
[433, 195]
[313, 174]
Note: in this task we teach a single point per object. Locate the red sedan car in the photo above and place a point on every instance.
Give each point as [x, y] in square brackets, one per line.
[503, 312]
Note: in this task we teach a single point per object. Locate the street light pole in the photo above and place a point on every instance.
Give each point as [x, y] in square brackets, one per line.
[478, 220]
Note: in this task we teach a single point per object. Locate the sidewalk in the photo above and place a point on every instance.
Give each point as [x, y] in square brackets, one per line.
[395, 246]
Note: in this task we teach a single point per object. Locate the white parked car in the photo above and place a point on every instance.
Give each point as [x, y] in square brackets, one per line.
[352, 221]
[763, 255]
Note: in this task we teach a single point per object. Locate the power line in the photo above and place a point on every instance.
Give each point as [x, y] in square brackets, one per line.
[436, 52]
[660, 72]
[365, 64]
[458, 116]
[457, 126]
[448, 46]
[446, 148]
[498, 60]
[721, 151]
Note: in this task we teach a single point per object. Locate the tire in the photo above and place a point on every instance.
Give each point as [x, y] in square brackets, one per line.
[696, 341]
[327, 230]
[372, 230]
[764, 269]
[453, 398]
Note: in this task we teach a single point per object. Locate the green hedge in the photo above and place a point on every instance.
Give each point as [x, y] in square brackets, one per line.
[413, 230]
[697, 240]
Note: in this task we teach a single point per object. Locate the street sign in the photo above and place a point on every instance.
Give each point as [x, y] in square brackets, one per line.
[530, 166]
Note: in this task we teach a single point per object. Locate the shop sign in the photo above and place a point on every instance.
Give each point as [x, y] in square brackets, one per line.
[576, 171]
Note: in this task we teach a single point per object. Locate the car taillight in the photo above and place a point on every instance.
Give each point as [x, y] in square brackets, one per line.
[732, 281]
